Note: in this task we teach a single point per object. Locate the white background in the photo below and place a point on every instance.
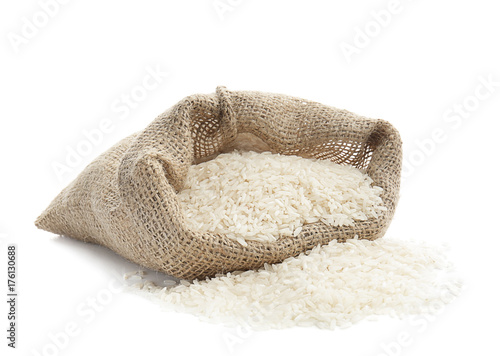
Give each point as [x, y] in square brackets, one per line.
[417, 69]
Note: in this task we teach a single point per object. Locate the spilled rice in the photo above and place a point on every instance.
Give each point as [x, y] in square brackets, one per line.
[335, 285]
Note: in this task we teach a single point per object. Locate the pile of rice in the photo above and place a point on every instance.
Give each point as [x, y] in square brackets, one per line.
[331, 286]
[252, 196]
[262, 196]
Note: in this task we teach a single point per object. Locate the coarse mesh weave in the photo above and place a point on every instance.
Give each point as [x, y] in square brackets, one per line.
[126, 198]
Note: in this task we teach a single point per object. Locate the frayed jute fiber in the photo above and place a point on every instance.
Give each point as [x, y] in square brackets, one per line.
[126, 199]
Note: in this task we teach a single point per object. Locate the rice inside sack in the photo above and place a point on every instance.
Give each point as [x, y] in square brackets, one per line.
[262, 196]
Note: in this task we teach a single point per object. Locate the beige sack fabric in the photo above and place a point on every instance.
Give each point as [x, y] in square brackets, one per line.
[126, 198]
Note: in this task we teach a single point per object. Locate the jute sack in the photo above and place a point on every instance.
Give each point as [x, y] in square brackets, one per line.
[126, 198]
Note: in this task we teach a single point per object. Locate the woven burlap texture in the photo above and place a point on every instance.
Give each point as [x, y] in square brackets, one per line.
[126, 198]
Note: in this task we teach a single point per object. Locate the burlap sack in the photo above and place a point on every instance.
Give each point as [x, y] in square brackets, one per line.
[126, 198]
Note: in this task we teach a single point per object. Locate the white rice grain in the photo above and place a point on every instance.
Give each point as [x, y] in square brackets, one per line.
[335, 285]
[263, 196]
